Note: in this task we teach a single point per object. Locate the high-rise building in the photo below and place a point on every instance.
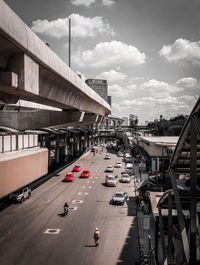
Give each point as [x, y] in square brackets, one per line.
[99, 86]
[133, 120]
[109, 100]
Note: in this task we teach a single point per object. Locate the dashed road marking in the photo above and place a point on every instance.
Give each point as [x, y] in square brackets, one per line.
[77, 201]
[84, 187]
[82, 193]
[88, 181]
[52, 231]
[93, 181]
[73, 208]
[90, 187]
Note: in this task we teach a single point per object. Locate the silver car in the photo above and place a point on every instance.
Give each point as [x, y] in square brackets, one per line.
[119, 197]
[125, 178]
[111, 181]
[118, 164]
[110, 169]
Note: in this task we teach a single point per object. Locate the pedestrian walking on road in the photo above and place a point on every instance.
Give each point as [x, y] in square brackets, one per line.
[96, 236]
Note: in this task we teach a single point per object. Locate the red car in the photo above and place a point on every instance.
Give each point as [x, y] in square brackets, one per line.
[76, 168]
[85, 174]
[69, 177]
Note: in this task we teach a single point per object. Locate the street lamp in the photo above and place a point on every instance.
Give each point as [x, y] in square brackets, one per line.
[69, 42]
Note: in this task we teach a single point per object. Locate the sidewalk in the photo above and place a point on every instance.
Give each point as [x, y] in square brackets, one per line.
[146, 229]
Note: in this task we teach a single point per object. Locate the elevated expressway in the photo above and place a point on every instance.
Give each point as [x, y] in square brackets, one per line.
[37, 89]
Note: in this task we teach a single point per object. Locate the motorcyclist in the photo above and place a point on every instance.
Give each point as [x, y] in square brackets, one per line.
[96, 236]
[66, 208]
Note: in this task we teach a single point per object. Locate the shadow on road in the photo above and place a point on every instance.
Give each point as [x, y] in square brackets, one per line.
[130, 251]
[61, 215]
[132, 210]
[90, 246]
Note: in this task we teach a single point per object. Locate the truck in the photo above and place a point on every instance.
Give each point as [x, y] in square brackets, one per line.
[21, 195]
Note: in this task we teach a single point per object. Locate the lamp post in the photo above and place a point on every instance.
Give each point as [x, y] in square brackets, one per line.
[69, 42]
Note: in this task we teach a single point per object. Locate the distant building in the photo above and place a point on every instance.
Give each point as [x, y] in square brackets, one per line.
[125, 122]
[99, 86]
[109, 100]
[133, 120]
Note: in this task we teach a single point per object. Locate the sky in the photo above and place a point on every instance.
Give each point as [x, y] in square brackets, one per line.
[148, 50]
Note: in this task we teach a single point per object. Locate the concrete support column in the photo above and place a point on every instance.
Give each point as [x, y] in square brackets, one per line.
[57, 155]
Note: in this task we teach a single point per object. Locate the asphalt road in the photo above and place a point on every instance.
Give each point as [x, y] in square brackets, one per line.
[24, 237]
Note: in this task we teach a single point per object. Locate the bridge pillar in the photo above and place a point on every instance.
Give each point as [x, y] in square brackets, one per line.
[27, 71]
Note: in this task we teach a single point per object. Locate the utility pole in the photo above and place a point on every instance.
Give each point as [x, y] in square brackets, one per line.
[69, 42]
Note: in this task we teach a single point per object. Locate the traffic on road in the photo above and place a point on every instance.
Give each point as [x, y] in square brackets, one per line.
[35, 232]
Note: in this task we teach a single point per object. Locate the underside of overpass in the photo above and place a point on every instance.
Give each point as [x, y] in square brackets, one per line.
[37, 89]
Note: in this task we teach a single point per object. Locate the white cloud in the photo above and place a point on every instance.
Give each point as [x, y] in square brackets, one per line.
[82, 2]
[112, 76]
[131, 86]
[108, 2]
[160, 89]
[81, 27]
[188, 82]
[117, 91]
[109, 54]
[121, 92]
[182, 49]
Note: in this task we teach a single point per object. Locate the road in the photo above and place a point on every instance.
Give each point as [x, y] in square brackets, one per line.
[24, 227]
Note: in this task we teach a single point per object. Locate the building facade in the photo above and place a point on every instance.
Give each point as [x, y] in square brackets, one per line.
[99, 86]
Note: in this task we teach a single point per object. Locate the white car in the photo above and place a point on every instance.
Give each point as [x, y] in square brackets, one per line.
[111, 181]
[125, 178]
[110, 169]
[118, 164]
[106, 157]
[120, 154]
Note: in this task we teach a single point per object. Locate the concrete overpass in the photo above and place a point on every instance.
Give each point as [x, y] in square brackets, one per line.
[34, 81]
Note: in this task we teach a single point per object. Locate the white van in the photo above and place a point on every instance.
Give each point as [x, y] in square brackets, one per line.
[129, 168]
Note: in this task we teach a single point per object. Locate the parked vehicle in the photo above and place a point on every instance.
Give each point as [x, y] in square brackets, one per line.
[107, 157]
[110, 169]
[119, 197]
[69, 177]
[110, 180]
[20, 196]
[93, 149]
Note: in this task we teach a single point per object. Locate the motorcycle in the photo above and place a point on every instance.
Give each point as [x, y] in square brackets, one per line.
[66, 210]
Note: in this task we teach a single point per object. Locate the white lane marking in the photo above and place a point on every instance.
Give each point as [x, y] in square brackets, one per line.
[82, 193]
[93, 181]
[73, 208]
[88, 181]
[77, 201]
[84, 187]
[52, 231]
[90, 187]
[95, 177]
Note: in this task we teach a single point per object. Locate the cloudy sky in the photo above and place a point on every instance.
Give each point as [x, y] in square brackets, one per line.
[148, 50]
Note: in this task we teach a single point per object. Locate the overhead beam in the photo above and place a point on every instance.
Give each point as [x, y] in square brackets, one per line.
[30, 120]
